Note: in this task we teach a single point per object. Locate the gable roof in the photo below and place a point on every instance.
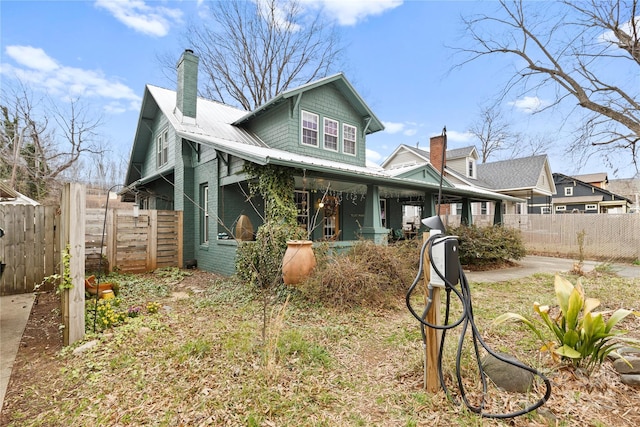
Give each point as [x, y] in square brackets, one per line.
[424, 155]
[9, 196]
[340, 82]
[459, 153]
[216, 127]
[593, 177]
[514, 174]
[559, 178]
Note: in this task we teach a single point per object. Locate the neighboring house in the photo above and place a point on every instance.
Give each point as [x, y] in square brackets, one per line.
[576, 196]
[629, 188]
[188, 154]
[9, 196]
[599, 179]
[526, 178]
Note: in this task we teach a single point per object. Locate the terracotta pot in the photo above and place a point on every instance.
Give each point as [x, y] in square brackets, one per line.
[298, 261]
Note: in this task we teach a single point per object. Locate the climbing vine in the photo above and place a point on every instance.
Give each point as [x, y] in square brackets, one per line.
[276, 185]
[64, 280]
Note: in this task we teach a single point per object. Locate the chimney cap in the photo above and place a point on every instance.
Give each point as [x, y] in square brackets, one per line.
[188, 50]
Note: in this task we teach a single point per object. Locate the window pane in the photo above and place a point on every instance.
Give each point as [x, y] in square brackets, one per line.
[309, 129]
[331, 134]
[349, 136]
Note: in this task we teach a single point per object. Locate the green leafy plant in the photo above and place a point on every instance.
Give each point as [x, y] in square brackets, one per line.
[581, 335]
[153, 307]
[107, 313]
[63, 280]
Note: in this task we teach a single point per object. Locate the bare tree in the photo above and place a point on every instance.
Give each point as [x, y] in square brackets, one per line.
[253, 51]
[40, 140]
[493, 132]
[587, 52]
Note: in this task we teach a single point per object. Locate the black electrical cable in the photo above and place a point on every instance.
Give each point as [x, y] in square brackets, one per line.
[466, 319]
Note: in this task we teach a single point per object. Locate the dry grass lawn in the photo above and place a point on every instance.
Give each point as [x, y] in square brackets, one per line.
[202, 360]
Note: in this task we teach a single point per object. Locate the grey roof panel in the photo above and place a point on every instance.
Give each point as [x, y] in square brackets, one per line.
[516, 173]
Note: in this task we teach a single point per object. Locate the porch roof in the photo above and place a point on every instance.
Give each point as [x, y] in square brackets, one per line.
[338, 170]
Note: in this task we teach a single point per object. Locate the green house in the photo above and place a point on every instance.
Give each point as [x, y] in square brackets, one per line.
[188, 154]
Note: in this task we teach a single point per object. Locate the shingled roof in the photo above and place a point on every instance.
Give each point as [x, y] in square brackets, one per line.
[512, 174]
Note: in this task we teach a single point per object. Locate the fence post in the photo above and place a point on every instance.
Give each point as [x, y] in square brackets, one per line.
[152, 240]
[180, 233]
[72, 226]
[111, 240]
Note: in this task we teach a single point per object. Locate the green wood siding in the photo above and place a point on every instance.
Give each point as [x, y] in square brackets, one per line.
[281, 127]
[150, 167]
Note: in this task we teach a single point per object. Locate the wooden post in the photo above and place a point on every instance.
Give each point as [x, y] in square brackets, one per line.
[111, 240]
[432, 350]
[180, 234]
[72, 226]
[152, 241]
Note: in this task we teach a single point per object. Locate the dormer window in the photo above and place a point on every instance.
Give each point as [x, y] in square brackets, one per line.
[349, 139]
[471, 168]
[330, 134]
[309, 129]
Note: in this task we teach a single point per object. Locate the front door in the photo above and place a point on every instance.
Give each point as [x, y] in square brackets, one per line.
[330, 223]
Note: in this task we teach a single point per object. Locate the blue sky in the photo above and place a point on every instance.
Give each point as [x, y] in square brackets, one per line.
[396, 57]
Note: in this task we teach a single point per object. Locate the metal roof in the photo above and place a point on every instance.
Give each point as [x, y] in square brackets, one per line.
[215, 126]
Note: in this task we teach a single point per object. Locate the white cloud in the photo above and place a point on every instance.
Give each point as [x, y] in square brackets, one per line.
[373, 156]
[455, 136]
[410, 132]
[529, 104]
[392, 127]
[350, 12]
[610, 38]
[44, 73]
[32, 57]
[136, 14]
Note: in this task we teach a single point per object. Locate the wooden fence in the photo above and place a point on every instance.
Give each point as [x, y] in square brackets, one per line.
[605, 236]
[29, 248]
[139, 244]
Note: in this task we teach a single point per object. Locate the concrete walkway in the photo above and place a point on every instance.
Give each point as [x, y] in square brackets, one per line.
[14, 314]
[531, 265]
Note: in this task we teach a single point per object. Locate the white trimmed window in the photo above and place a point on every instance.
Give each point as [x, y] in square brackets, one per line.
[591, 207]
[309, 129]
[204, 214]
[568, 191]
[330, 134]
[162, 148]
[545, 210]
[349, 139]
[561, 208]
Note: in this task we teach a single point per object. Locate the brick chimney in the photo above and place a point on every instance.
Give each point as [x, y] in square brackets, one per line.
[187, 93]
[436, 148]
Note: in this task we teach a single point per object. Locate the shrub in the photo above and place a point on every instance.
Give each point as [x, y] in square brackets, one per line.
[484, 246]
[368, 274]
[259, 263]
[581, 335]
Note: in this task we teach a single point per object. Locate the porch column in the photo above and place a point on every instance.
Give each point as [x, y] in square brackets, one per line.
[428, 208]
[372, 227]
[466, 213]
[497, 214]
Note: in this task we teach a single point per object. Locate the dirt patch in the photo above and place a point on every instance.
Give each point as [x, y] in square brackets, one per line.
[41, 341]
